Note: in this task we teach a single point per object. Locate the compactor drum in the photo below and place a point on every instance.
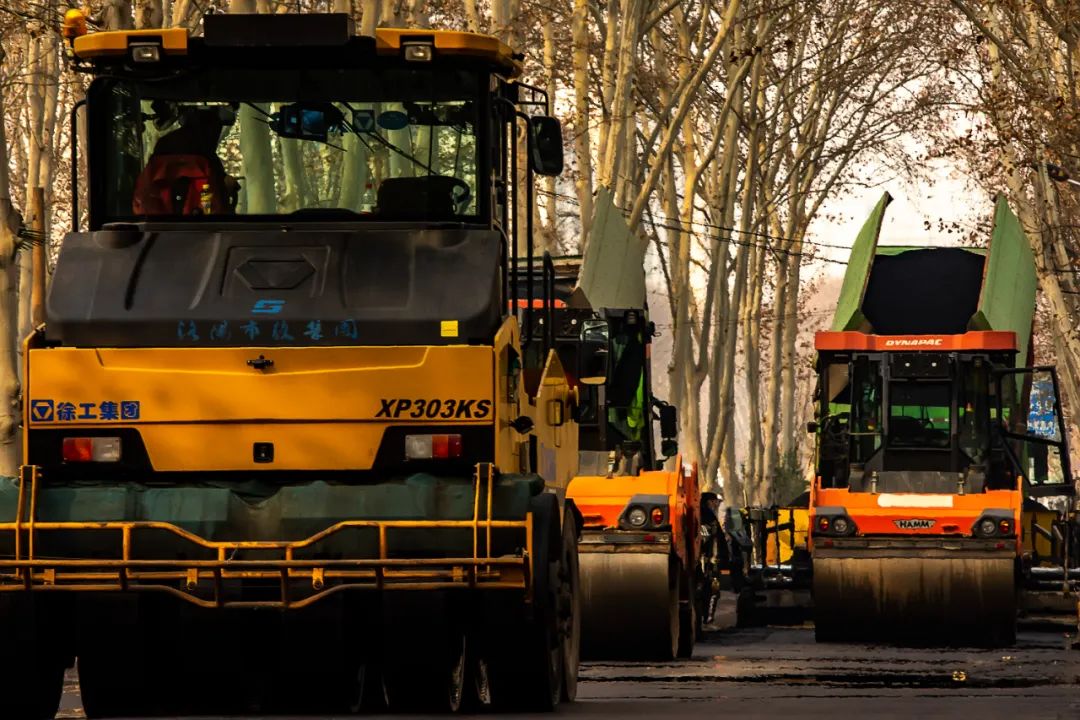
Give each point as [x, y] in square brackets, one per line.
[287, 448]
[927, 598]
[930, 443]
[640, 580]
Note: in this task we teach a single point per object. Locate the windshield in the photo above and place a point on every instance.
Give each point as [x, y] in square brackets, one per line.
[393, 144]
[919, 413]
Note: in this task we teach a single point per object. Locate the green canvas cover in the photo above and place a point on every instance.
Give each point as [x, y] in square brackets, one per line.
[848, 314]
[613, 270]
[1006, 294]
[1007, 300]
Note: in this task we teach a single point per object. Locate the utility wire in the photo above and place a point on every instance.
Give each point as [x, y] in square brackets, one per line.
[681, 226]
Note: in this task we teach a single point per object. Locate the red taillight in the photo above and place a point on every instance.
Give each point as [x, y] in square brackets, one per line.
[823, 524]
[78, 449]
[657, 516]
[95, 449]
[432, 447]
[1005, 526]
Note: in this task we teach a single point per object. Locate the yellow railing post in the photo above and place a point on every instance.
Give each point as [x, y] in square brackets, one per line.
[33, 511]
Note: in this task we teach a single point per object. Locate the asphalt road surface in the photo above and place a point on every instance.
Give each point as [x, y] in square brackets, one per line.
[780, 672]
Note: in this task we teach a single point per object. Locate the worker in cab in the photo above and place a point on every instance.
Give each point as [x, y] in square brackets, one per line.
[184, 175]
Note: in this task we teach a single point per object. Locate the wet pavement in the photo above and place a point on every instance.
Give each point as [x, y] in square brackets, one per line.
[780, 672]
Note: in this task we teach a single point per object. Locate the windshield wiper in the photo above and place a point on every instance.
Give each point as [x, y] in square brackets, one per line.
[402, 153]
[386, 143]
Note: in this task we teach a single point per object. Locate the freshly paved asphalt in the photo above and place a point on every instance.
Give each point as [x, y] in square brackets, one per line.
[780, 672]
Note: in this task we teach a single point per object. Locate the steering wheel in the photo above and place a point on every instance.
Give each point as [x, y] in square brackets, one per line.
[460, 190]
[836, 426]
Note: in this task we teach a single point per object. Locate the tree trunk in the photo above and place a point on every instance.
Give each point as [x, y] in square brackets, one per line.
[582, 126]
[369, 17]
[9, 378]
[149, 14]
[257, 190]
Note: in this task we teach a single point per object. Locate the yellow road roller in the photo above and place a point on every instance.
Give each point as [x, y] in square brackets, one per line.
[770, 562]
[287, 446]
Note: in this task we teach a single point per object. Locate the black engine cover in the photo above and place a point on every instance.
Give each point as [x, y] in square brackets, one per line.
[199, 286]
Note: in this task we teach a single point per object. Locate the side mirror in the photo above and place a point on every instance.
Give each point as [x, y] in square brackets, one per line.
[669, 448]
[593, 354]
[811, 427]
[669, 422]
[545, 145]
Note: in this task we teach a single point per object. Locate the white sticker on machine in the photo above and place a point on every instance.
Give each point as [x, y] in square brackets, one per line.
[910, 500]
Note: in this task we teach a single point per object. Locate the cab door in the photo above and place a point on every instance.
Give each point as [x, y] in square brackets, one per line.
[1033, 429]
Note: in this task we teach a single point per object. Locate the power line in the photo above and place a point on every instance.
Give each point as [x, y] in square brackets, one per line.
[767, 314]
[681, 226]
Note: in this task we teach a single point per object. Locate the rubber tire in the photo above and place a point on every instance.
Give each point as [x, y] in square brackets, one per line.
[688, 622]
[526, 672]
[747, 612]
[570, 607]
[31, 691]
[114, 677]
[103, 689]
[32, 670]
[436, 681]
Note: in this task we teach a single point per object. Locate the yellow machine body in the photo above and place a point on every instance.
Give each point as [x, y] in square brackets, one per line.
[324, 408]
[201, 411]
[781, 548]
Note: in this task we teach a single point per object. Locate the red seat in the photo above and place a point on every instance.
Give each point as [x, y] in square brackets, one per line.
[175, 185]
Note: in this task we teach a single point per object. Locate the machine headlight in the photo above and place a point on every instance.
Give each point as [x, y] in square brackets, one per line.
[987, 527]
[833, 522]
[146, 53]
[637, 517]
[418, 51]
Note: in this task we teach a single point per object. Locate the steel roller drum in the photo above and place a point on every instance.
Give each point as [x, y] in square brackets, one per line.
[925, 601]
[630, 606]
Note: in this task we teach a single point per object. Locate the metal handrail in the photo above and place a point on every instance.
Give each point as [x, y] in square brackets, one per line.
[130, 573]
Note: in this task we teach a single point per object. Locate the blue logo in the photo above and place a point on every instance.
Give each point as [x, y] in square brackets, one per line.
[65, 412]
[41, 410]
[267, 307]
[364, 120]
[129, 410]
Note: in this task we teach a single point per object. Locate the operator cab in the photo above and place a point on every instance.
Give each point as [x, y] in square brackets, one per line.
[282, 181]
[931, 421]
[328, 131]
[611, 350]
